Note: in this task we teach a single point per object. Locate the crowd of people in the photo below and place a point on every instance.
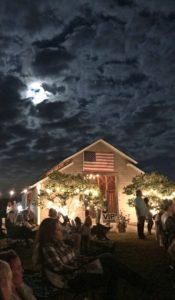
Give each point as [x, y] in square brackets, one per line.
[62, 248]
[18, 225]
[65, 268]
[165, 229]
[79, 234]
[164, 221]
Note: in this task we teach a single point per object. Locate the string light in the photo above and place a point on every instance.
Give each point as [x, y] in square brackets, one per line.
[11, 193]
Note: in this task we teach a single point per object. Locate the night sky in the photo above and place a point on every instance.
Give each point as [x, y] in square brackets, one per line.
[74, 71]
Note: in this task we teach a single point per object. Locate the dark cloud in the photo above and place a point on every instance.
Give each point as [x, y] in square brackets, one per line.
[51, 111]
[101, 69]
[10, 103]
[51, 62]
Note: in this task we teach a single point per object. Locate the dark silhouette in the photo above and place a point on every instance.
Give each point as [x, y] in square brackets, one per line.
[149, 218]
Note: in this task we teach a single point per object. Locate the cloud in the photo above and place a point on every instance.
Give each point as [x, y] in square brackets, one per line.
[107, 70]
[51, 62]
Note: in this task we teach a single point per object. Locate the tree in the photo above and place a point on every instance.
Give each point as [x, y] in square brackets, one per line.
[61, 187]
[155, 186]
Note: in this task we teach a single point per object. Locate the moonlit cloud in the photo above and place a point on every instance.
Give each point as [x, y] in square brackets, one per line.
[36, 92]
[72, 72]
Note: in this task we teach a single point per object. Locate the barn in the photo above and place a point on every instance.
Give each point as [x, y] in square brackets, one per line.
[112, 168]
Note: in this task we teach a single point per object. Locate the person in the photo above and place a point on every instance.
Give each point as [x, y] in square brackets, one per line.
[170, 232]
[158, 227]
[29, 216]
[52, 213]
[170, 223]
[11, 207]
[11, 215]
[141, 212]
[62, 270]
[149, 217]
[161, 217]
[22, 230]
[100, 231]
[76, 229]
[3, 235]
[20, 291]
[98, 215]
[168, 209]
[5, 281]
[85, 233]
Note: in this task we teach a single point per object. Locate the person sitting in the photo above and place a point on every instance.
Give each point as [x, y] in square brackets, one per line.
[65, 228]
[100, 231]
[23, 229]
[86, 233]
[30, 218]
[3, 235]
[11, 207]
[11, 216]
[52, 213]
[63, 270]
[20, 291]
[76, 229]
[5, 281]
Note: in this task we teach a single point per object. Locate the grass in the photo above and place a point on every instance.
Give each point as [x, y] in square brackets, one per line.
[147, 258]
[143, 256]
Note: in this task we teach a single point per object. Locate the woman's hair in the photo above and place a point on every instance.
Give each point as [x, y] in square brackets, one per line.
[77, 220]
[5, 274]
[45, 234]
[46, 231]
[8, 256]
[5, 280]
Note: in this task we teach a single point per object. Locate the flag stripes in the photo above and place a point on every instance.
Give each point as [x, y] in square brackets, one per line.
[98, 161]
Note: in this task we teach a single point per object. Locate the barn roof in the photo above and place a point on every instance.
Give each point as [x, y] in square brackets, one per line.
[69, 160]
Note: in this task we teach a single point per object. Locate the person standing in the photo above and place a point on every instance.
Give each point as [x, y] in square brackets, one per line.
[149, 217]
[141, 212]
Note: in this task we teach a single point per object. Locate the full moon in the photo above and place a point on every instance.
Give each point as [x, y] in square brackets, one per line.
[36, 92]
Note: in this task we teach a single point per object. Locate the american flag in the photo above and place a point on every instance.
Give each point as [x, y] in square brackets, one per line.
[96, 161]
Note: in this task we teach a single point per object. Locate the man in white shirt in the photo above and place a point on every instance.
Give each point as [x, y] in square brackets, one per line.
[141, 212]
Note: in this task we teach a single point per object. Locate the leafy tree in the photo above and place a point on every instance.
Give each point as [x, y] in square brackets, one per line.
[61, 187]
[154, 186]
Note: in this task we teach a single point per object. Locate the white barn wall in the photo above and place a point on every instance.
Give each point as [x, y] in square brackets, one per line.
[123, 173]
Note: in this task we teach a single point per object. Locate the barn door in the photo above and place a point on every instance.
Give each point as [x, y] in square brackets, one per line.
[111, 193]
[107, 185]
